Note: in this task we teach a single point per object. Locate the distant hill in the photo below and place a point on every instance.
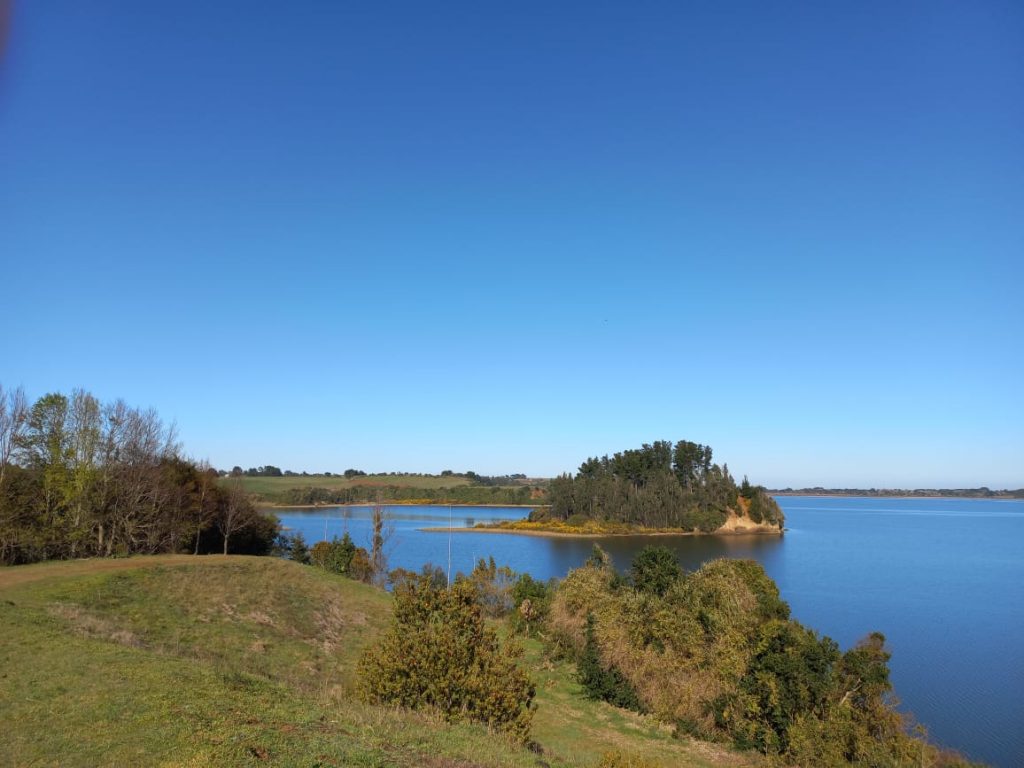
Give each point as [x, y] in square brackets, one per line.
[467, 488]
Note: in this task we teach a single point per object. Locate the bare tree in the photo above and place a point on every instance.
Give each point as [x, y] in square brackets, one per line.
[13, 418]
[205, 499]
[134, 444]
[84, 435]
[13, 421]
[236, 513]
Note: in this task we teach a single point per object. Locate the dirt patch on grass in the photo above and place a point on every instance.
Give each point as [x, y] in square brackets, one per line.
[90, 625]
[335, 621]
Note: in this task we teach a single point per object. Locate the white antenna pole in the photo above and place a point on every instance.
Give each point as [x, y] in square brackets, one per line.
[449, 546]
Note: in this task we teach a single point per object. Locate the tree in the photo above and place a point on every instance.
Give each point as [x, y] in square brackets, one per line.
[13, 420]
[381, 534]
[206, 492]
[439, 654]
[299, 551]
[235, 513]
[655, 569]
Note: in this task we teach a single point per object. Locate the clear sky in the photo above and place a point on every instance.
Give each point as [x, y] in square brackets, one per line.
[506, 236]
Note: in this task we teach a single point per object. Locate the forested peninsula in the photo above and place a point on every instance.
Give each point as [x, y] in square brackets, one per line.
[660, 487]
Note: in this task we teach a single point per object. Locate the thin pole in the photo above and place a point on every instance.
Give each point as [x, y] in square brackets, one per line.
[450, 546]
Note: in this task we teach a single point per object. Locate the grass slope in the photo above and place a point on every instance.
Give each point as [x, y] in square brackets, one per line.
[180, 661]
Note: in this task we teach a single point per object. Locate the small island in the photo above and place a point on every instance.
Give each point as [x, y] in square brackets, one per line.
[660, 488]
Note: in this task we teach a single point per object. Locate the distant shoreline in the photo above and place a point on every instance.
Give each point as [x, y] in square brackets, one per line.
[890, 496]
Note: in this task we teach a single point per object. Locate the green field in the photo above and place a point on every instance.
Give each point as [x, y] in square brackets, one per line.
[268, 486]
[181, 661]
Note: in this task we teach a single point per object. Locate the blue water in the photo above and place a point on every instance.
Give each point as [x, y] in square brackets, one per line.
[943, 579]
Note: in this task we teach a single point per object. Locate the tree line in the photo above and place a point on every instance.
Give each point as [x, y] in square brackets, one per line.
[659, 485]
[83, 478]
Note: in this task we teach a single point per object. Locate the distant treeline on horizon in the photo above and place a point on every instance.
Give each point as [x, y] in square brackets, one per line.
[965, 493]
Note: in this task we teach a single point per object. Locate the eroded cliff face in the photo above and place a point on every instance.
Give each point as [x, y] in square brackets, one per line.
[740, 524]
[739, 519]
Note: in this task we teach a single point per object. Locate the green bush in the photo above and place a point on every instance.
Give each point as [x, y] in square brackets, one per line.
[335, 555]
[438, 654]
[532, 602]
[655, 569]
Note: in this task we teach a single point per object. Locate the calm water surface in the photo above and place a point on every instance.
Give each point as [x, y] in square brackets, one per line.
[943, 579]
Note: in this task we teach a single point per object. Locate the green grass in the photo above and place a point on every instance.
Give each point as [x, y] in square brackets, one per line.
[178, 661]
[265, 486]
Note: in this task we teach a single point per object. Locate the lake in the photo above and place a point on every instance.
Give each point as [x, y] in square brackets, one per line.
[943, 579]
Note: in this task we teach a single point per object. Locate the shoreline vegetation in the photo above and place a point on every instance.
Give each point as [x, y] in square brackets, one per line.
[734, 526]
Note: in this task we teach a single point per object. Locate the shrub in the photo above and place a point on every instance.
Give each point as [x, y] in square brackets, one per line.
[362, 568]
[335, 556]
[604, 682]
[655, 569]
[790, 675]
[532, 601]
[402, 576]
[493, 587]
[438, 654]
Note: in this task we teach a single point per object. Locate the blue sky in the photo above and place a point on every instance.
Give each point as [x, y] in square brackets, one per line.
[504, 237]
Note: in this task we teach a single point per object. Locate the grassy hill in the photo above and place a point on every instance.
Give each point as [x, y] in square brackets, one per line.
[273, 486]
[302, 490]
[182, 661]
